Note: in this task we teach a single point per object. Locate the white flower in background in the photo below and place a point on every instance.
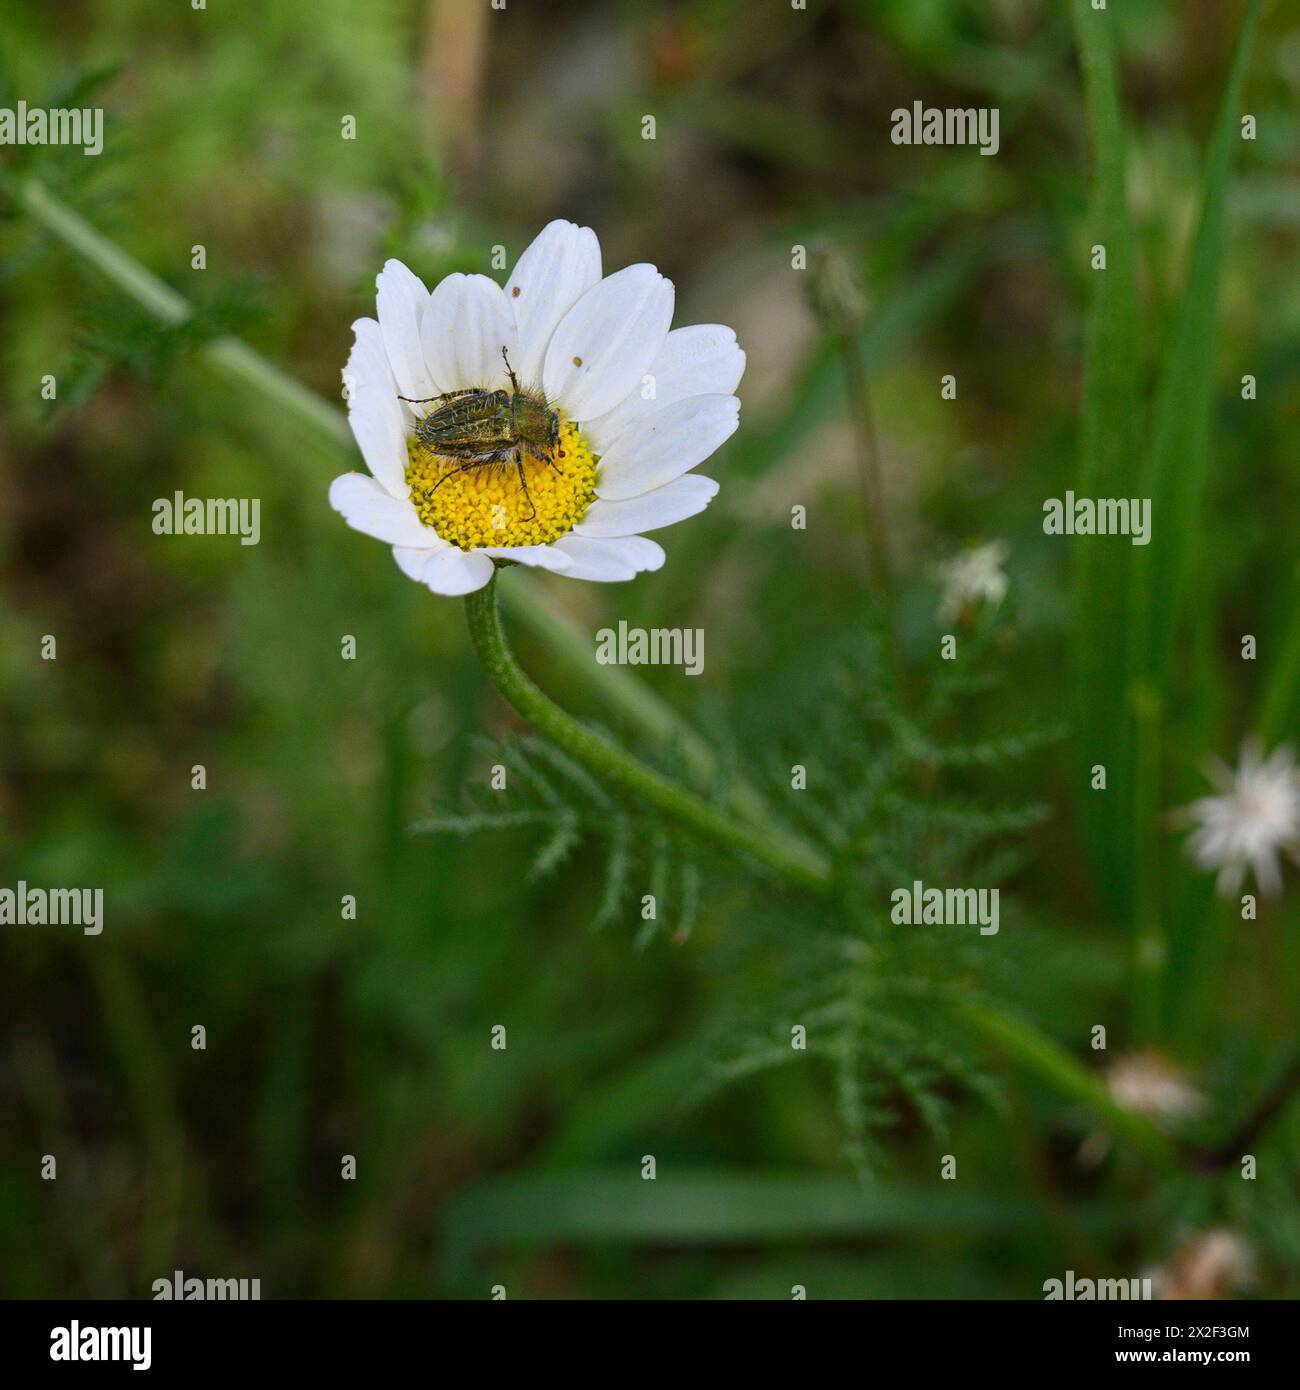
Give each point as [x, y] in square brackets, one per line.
[1147, 1083]
[975, 576]
[1152, 1085]
[1209, 1264]
[1255, 815]
[599, 415]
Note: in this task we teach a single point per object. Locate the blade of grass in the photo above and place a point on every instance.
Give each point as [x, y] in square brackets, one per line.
[1185, 399]
[1109, 453]
[710, 1208]
[1281, 706]
[1179, 468]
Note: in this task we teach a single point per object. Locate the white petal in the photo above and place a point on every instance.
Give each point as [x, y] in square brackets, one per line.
[373, 407]
[368, 372]
[662, 507]
[663, 446]
[453, 571]
[555, 271]
[610, 560]
[412, 561]
[374, 412]
[367, 508]
[465, 326]
[545, 557]
[607, 341]
[703, 359]
[402, 298]
[377, 427]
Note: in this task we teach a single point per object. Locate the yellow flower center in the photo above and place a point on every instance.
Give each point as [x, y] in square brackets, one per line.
[486, 504]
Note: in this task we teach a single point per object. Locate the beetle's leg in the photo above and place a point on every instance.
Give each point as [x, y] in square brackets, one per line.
[451, 473]
[523, 483]
[549, 456]
[488, 462]
[446, 396]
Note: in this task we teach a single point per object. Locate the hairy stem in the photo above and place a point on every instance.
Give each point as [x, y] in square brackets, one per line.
[618, 689]
[233, 358]
[789, 858]
[869, 470]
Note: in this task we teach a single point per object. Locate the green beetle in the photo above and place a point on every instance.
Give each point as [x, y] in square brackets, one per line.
[488, 429]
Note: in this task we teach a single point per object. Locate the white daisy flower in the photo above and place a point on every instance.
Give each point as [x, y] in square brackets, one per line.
[972, 577]
[550, 423]
[1256, 814]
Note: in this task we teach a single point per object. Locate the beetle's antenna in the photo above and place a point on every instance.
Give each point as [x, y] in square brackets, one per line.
[510, 371]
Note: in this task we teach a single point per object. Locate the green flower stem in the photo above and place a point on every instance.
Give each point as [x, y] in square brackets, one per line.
[233, 359]
[869, 470]
[616, 689]
[1049, 1060]
[791, 859]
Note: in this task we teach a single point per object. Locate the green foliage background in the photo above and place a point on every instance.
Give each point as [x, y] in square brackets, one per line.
[329, 1037]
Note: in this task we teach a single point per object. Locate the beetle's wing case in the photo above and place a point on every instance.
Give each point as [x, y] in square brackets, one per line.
[476, 425]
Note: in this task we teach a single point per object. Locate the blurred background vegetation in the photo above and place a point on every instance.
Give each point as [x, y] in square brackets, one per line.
[328, 1037]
